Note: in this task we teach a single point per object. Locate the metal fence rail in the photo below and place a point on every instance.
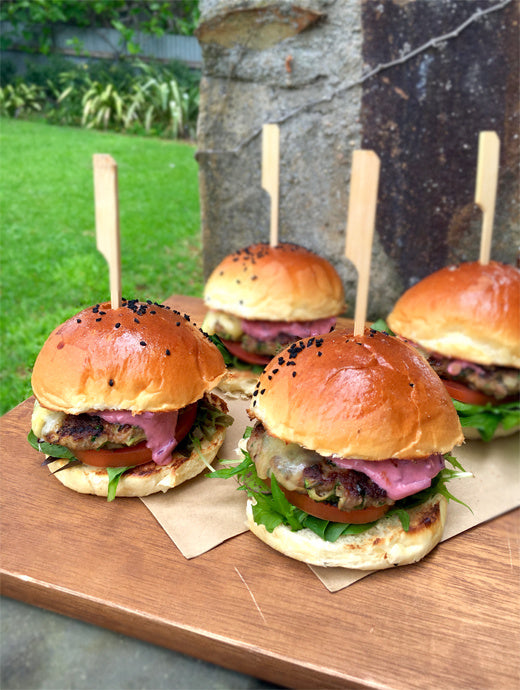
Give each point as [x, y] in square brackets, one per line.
[106, 44]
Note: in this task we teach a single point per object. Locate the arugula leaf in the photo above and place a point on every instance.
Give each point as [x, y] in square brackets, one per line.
[52, 449]
[272, 508]
[222, 348]
[56, 451]
[381, 325]
[487, 418]
[114, 475]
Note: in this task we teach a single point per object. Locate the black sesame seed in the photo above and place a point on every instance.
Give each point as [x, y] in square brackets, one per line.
[168, 353]
[102, 313]
[142, 343]
[411, 385]
[152, 311]
[294, 374]
[99, 319]
[178, 323]
[290, 363]
[136, 320]
[111, 382]
[262, 391]
[118, 325]
[275, 371]
[255, 392]
[320, 354]
[281, 361]
[78, 320]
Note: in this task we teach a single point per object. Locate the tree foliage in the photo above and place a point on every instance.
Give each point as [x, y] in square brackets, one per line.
[32, 23]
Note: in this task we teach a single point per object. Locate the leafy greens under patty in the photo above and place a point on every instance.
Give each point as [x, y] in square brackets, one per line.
[271, 508]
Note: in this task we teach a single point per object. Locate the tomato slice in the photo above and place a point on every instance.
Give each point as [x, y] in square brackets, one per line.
[326, 511]
[131, 456]
[117, 457]
[250, 357]
[464, 394]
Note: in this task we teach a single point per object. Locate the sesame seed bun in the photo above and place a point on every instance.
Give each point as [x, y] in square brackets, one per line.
[470, 311]
[382, 546]
[371, 397]
[140, 357]
[282, 283]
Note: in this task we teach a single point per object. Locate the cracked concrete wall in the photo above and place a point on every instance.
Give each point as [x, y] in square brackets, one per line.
[338, 75]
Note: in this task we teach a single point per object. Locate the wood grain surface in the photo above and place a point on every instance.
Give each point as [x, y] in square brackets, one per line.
[450, 621]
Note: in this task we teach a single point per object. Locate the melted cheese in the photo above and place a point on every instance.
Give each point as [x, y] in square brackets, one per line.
[286, 461]
[231, 325]
[44, 421]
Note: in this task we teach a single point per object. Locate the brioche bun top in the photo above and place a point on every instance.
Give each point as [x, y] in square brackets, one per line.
[470, 311]
[371, 397]
[281, 283]
[140, 357]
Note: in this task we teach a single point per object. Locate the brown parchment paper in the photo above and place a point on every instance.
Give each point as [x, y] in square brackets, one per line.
[202, 513]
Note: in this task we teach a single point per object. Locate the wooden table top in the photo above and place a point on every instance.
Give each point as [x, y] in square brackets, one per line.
[450, 621]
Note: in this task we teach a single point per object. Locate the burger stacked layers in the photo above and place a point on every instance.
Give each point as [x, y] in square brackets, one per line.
[345, 465]
[466, 320]
[262, 298]
[123, 403]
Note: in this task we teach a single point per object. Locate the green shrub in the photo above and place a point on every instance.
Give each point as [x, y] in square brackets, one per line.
[18, 100]
[135, 97]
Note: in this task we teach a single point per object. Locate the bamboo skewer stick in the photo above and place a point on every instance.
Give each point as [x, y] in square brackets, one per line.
[271, 174]
[107, 220]
[486, 188]
[360, 226]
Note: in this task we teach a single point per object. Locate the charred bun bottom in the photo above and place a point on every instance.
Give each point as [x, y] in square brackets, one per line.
[384, 545]
[146, 479]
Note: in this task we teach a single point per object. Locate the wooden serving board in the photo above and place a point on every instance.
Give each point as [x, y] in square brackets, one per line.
[450, 621]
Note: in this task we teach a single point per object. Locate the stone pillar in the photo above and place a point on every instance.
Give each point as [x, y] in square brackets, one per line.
[413, 80]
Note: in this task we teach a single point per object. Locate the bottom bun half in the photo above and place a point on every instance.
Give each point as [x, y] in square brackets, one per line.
[238, 383]
[384, 545]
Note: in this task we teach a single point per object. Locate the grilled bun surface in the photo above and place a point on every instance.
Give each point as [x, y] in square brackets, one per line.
[371, 397]
[282, 283]
[140, 357]
[470, 311]
[382, 546]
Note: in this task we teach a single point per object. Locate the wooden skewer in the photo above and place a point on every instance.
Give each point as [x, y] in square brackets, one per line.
[486, 188]
[360, 226]
[271, 174]
[107, 220]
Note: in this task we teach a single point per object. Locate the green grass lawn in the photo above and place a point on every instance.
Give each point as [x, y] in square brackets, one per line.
[50, 267]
